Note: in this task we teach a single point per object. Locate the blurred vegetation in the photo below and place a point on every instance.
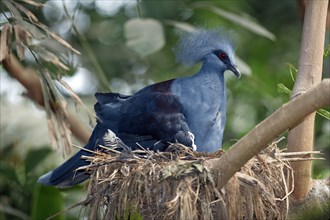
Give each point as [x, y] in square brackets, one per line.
[118, 56]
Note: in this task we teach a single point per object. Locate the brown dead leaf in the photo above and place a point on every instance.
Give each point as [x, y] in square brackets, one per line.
[28, 13]
[73, 95]
[5, 41]
[48, 56]
[32, 29]
[12, 9]
[58, 113]
[77, 99]
[65, 132]
[52, 133]
[23, 38]
[31, 2]
[22, 35]
[56, 37]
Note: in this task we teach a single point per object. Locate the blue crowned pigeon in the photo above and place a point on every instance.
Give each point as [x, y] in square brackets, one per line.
[189, 110]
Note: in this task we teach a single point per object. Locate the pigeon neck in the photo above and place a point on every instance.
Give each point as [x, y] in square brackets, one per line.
[208, 79]
[212, 68]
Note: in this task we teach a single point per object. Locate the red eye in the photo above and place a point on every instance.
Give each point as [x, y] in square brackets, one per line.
[222, 56]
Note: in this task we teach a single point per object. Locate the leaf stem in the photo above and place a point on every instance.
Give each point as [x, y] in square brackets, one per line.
[88, 49]
[138, 9]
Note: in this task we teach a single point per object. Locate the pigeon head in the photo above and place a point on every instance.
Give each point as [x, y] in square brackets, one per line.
[227, 60]
[214, 46]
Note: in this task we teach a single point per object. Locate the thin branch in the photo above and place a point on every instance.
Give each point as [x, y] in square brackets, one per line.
[299, 159]
[286, 154]
[104, 82]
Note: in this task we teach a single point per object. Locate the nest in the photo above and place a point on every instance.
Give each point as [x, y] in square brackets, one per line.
[177, 185]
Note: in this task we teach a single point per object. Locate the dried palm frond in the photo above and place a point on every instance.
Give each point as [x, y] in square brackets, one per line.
[31, 35]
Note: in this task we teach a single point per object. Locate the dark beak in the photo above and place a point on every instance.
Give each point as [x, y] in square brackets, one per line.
[235, 70]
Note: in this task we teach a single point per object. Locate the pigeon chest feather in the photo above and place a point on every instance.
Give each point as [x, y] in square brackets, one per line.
[205, 109]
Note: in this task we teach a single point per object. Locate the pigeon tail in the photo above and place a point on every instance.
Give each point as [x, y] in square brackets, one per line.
[67, 174]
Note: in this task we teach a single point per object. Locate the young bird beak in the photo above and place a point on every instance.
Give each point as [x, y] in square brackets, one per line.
[235, 70]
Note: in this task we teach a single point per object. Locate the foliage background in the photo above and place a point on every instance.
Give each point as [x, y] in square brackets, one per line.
[99, 30]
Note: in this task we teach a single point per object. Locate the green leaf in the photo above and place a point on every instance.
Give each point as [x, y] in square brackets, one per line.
[145, 36]
[281, 88]
[8, 172]
[241, 20]
[46, 201]
[181, 25]
[293, 71]
[133, 215]
[326, 51]
[34, 157]
[324, 113]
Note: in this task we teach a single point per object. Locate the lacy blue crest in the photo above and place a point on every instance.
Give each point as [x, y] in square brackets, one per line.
[192, 47]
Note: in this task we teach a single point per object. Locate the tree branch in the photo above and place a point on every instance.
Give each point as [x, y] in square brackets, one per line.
[29, 79]
[302, 7]
[301, 138]
[286, 117]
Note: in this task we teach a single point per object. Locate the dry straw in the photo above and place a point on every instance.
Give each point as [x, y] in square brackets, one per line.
[176, 184]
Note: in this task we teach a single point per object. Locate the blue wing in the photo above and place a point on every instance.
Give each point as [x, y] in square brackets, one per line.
[152, 117]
